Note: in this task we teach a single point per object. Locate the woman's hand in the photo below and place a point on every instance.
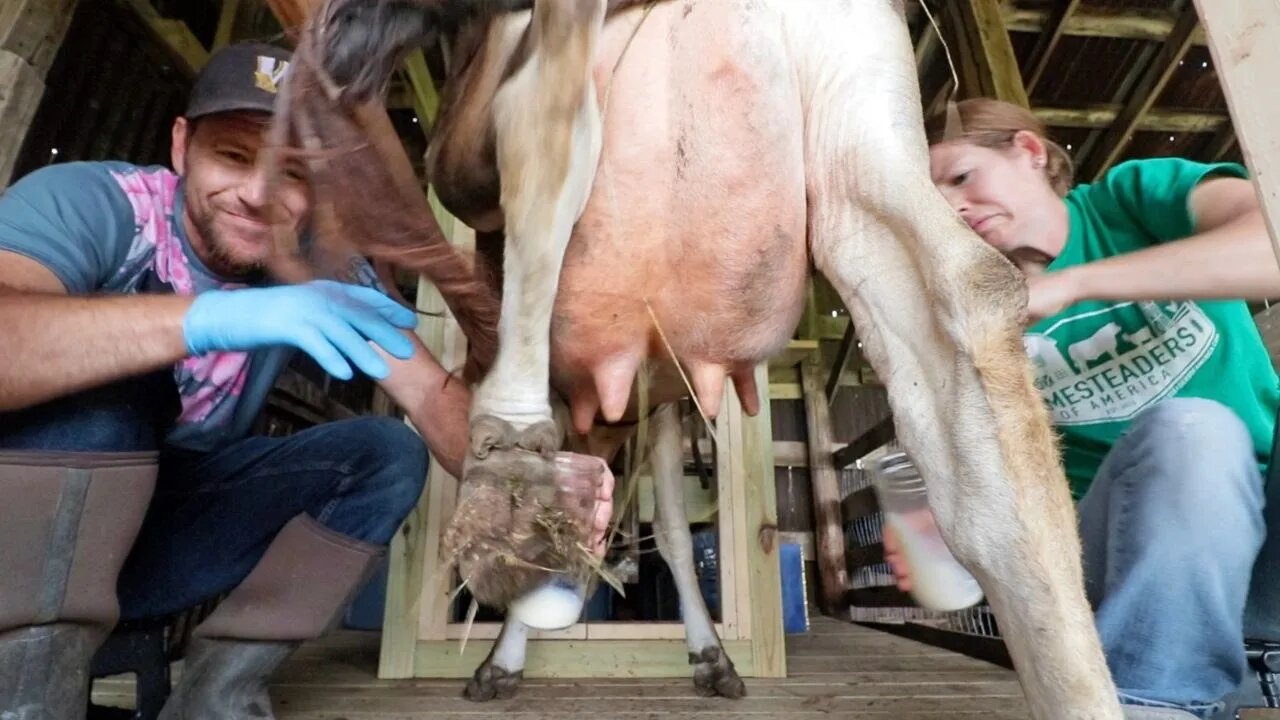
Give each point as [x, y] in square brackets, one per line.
[1050, 293]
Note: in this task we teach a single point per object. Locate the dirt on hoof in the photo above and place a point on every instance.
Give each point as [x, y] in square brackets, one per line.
[514, 525]
[491, 682]
[714, 674]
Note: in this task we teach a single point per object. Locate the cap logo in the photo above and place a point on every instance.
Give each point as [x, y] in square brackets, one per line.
[269, 73]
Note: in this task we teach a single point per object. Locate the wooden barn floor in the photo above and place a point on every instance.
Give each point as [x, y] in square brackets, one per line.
[837, 670]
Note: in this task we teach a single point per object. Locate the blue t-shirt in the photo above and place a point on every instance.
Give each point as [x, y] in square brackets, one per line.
[114, 227]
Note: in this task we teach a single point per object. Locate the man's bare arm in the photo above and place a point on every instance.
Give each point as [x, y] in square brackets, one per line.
[54, 345]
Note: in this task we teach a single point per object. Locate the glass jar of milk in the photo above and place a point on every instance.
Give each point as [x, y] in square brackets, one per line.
[938, 581]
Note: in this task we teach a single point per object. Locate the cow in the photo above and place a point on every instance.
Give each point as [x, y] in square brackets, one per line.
[664, 175]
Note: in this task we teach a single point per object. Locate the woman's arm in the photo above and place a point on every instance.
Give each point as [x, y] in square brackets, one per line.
[1229, 256]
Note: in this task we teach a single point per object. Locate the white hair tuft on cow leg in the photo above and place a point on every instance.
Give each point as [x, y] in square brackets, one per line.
[713, 672]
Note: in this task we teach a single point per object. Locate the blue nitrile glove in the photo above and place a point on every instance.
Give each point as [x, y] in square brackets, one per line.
[323, 318]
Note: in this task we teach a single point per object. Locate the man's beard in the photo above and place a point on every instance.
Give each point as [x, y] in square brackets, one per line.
[218, 258]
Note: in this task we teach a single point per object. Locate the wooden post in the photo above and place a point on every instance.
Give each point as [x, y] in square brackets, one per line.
[31, 32]
[833, 575]
[1244, 39]
[755, 453]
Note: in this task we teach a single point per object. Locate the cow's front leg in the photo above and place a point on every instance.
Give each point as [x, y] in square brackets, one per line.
[547, 138]
[713, 671]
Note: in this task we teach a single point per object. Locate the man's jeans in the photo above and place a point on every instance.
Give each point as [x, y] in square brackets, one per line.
[214, 514]
[1171, 528]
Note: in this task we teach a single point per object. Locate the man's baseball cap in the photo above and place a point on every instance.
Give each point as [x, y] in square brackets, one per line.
[244, 76]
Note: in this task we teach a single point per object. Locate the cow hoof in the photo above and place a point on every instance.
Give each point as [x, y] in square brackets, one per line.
[489, 433]
[713, 674]
[542, 437]
[492, 683]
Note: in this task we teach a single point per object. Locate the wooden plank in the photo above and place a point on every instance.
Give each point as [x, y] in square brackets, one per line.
[640, 630]
[226, 24]
[188, 53]
[881, 433]
[860, 504]
[1154, 120]
[987, 64]
[734, 591]
[847, 344]
[21, 88]
[33, 30]
[577, 658]
[796, 351]
[883, 596]
[1152, 25]
[1047, 41]
[863, 555]
[1245, 44]
[768, 643]
[1144, 95]
[829, 531]
[1221, 143]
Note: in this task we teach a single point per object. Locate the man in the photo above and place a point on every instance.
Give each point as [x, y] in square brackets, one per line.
[137, 315]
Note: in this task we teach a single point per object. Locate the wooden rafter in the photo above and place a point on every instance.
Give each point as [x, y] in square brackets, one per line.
[1221, 143]
[1047, 42]
[984, 53]
[1154, 26]
[1105, 115]
[226, 23]
[188, 52]
[1144, 95]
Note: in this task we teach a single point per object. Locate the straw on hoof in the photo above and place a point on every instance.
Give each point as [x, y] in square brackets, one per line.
[515, 525]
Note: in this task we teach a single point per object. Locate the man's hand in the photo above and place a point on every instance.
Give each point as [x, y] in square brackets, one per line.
[1051, 293]
[329, 321]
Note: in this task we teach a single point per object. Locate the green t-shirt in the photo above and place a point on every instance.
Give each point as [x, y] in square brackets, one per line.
[1100, 364]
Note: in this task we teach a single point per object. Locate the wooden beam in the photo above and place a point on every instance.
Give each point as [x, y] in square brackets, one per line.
[226, 24]
[847, 344]
[1047, 42]
[1151, 25]
[879, 434]
[988, 66]
[1154, 120]
[829, 530]
[187, 51]
[1221, 143]
[1245, 44]
[31, 31]
[1144, 95]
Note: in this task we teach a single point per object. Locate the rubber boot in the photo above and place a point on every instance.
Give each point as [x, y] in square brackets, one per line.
[67, 521]
[298, 591]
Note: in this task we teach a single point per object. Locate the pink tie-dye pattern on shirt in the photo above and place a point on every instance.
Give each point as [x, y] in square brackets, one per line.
[221, 375]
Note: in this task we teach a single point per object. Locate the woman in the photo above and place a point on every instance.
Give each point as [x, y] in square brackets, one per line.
[1165, 407]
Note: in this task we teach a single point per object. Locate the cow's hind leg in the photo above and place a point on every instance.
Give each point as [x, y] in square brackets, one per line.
[547, 130]
[713, 671]
[498, 677]
[940, 316]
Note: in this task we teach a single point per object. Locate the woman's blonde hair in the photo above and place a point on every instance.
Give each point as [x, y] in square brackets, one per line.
[993, 124]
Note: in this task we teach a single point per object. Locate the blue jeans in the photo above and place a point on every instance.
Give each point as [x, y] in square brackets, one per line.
[214, 514]
[1171, 528]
